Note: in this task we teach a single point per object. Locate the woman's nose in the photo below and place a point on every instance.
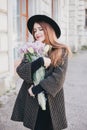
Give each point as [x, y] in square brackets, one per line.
[37, 32]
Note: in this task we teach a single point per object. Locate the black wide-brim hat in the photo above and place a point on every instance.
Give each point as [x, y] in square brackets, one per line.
[40, 18]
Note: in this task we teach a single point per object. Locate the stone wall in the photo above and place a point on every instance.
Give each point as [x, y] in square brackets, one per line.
[76, 24]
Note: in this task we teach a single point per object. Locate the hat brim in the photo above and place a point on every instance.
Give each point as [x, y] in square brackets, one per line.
[40, 18]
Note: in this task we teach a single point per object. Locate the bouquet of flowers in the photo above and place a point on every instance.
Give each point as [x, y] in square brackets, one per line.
[33, 51]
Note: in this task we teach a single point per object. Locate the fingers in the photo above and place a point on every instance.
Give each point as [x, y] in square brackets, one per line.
[47, 61]
[30, 91]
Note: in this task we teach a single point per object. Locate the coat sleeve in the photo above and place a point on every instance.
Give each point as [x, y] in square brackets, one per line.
[24, 70]
[53, 83]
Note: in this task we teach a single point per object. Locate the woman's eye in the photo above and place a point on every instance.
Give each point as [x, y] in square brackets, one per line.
[41, 29]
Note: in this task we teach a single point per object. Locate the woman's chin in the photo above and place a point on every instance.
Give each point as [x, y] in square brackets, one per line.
[40, 40]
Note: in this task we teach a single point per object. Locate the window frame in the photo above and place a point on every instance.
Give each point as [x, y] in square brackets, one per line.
[86, 18]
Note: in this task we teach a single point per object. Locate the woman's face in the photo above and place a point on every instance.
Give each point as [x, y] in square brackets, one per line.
[38, 32]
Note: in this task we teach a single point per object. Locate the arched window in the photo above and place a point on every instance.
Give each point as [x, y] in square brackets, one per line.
[22, 16]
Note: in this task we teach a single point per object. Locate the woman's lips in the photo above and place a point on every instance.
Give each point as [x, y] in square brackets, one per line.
[38, 37]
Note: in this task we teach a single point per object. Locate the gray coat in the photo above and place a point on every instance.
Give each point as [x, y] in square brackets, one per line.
[26, 107]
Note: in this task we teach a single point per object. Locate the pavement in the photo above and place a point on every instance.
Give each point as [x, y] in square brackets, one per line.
[75, 88]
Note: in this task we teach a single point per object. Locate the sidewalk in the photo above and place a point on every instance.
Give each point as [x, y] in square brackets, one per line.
[75, 97]
[76, 92]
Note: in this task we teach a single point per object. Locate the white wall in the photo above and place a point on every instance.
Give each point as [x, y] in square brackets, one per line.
[6, 52]
[76, 24]
[63, 20]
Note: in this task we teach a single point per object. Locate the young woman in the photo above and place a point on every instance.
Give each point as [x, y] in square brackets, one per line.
[27, 109]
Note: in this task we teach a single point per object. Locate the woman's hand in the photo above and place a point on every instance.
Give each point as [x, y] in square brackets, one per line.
[47, 61]
[30, 91]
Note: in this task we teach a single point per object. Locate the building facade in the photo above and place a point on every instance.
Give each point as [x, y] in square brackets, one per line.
[71, 16]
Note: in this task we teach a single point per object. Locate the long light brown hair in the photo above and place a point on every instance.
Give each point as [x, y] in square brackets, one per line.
[59, 50]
